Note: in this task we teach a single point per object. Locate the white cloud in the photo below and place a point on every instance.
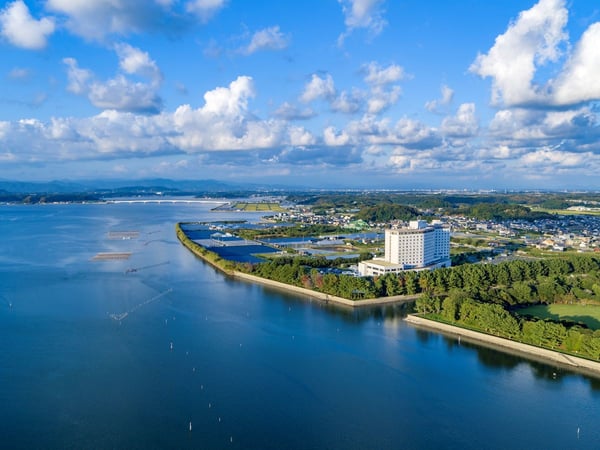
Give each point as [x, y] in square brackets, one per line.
[22, 30]
[379, 76]
[463, 124]
[362, 14]
[580, 80]
[232, 100]
[446, 99]
[554, 159]
[299, 136]
[78, 78]
[347, 102]
[334, 139]
[266, 39]
[93, 19]
[531, 41]
[382, 98]
[288, 111]
[318, 88]
[135, 61]
[407, 132]
[205, 9]
[124, 95]
[97, 19]
[119, 93]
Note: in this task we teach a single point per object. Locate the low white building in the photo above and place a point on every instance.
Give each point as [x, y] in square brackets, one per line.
[418, 247]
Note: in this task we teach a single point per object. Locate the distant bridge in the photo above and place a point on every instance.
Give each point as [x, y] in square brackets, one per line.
[216, 202]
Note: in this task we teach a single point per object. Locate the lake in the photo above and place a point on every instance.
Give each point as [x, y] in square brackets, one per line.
[132, 352]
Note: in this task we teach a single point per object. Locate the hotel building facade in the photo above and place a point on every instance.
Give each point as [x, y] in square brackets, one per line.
[419, 247]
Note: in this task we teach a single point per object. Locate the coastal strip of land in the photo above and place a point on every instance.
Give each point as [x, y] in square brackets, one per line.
[326, 297]
[196, 249]
[531, 351]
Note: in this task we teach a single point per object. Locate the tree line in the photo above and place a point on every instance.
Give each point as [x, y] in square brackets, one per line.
[486, 298]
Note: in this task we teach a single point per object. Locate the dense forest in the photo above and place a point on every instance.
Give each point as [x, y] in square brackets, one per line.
[487, 298]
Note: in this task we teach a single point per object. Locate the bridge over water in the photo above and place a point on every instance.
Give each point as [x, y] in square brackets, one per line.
[215, 202]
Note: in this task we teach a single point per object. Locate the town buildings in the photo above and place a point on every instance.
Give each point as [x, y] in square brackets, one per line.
[418, 247]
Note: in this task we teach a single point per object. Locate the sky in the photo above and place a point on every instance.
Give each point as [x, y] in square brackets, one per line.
[386, 94]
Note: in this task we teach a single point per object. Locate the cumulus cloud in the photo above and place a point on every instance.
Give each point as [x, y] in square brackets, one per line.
[124, 95]
[369, 131]
[318, 88]
[367, 14]
[266, 39]
[379, 76]
[96, 19]
[120, 93]
[135, 61]
[205, 9]
[78, 77]
[463, 124]
[383, 92]
[446, 99]
[580, 80]
[289, 111]
[21, 29]
[333, 138]
[531, 41]
[348, 102]
[382, 98]
[222, 123]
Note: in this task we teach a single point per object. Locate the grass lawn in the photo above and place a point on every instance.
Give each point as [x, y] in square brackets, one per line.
[588, 314]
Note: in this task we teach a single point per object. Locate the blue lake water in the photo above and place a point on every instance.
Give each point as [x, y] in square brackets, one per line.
[94, 355]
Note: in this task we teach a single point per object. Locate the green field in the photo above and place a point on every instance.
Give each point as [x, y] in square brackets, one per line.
[587, 314]
[257, 207]
[566, 212]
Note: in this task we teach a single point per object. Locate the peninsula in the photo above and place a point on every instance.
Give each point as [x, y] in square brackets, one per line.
[504, 285]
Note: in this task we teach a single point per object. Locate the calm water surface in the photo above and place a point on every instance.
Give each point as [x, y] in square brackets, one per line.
[94, 356]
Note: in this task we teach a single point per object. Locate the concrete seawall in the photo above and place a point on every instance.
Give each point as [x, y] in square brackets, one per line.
[540, 354]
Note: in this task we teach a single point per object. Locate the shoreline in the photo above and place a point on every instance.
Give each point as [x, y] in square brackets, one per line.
[326, 298]
[573, 363]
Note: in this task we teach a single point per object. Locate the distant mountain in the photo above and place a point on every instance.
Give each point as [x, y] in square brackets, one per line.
[24, 187]
[147, 185]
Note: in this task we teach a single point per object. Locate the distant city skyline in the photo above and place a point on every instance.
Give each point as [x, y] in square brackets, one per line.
[348, 93]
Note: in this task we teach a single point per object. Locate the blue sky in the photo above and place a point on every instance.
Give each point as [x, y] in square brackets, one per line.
[322, 93]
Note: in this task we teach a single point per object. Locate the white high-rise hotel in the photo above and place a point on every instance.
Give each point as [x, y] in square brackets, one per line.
[420, 246]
